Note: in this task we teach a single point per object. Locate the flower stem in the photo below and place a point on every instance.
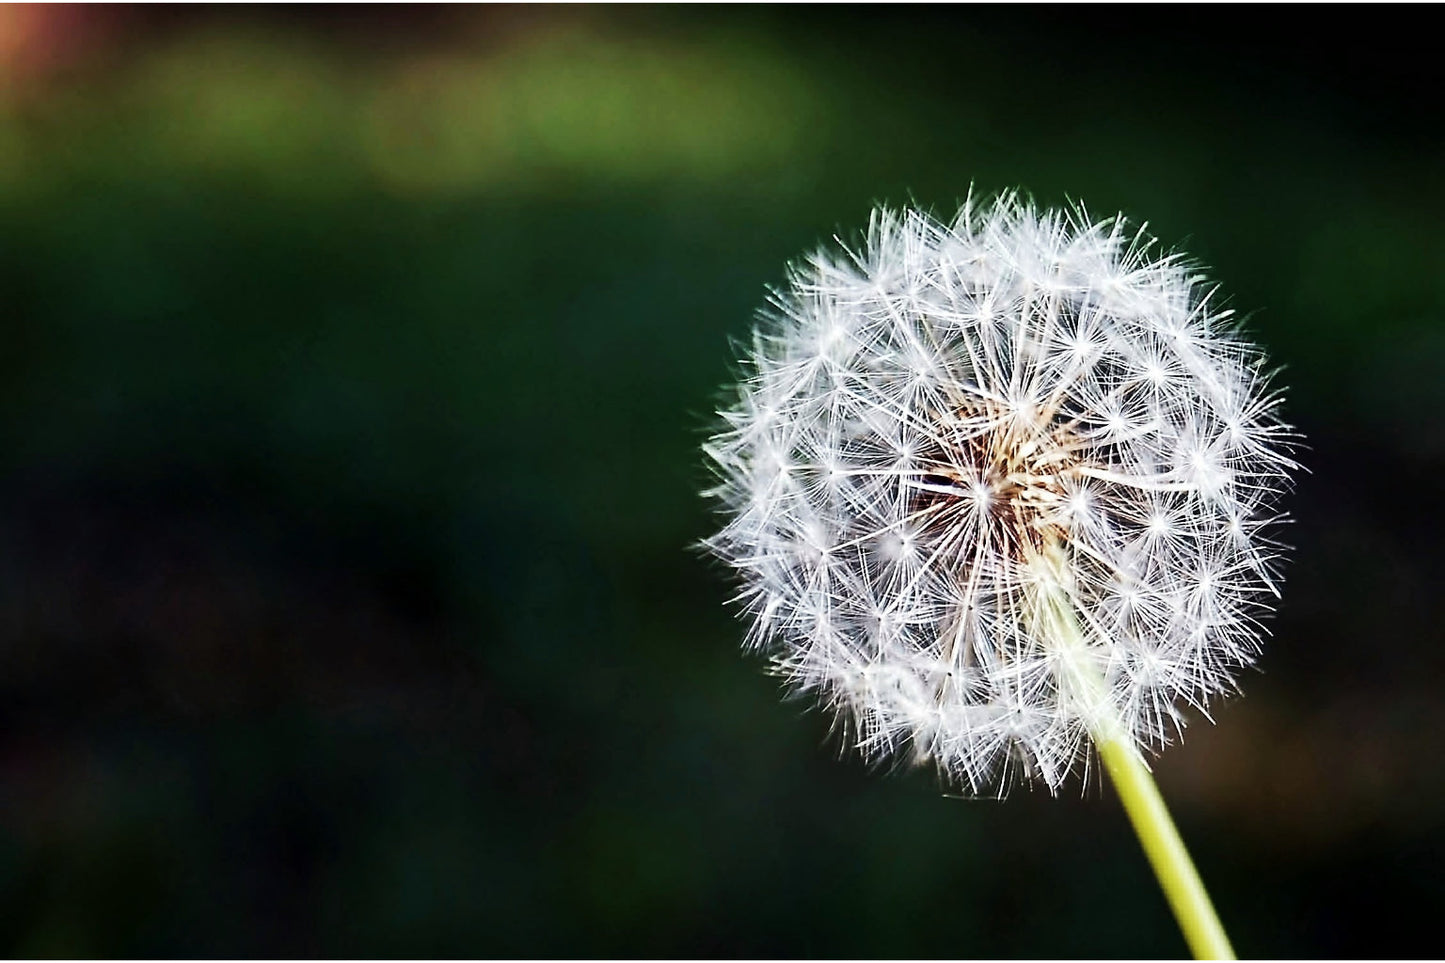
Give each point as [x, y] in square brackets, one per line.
[1082, 677]
[1177, 875]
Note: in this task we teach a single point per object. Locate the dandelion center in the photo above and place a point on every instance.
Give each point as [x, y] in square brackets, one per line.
[1004, 473]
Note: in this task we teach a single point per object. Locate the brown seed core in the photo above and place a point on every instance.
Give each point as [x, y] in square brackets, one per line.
[1018, 467]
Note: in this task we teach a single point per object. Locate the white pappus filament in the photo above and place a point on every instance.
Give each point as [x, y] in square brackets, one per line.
[956, 434]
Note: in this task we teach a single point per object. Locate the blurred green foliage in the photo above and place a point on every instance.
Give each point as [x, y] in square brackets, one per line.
[354, 370]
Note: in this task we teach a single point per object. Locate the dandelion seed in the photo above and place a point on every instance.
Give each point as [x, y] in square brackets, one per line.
[995, 485]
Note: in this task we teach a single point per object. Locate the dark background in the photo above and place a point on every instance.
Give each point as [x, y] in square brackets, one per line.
[353, 369]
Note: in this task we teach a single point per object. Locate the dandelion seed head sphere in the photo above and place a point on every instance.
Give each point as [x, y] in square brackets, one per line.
[941, 430]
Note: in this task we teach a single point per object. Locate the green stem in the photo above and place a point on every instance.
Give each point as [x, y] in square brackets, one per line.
[1082, 677]
[1177, 875]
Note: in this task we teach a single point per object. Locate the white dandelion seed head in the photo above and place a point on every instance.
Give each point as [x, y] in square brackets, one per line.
[952, 421]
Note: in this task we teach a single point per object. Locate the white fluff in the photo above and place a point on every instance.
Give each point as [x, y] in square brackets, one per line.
[925, 419]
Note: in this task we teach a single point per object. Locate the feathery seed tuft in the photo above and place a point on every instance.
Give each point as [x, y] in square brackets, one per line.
[943, 430]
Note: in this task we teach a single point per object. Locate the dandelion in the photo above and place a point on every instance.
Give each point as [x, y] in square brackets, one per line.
[1000, 489]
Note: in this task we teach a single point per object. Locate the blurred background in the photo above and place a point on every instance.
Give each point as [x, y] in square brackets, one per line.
[353, 371]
